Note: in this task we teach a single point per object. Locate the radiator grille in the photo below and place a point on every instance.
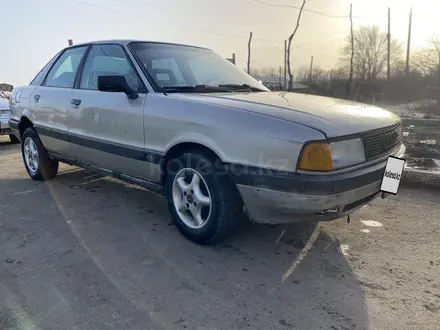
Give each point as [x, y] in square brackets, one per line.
[381, 141]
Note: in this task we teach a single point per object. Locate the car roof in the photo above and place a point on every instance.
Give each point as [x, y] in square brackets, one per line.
[125, 42]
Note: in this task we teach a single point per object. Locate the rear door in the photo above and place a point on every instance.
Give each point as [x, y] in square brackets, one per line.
[107, 128]
[50, 102]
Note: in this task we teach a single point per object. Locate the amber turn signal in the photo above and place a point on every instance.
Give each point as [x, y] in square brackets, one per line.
[316, 157]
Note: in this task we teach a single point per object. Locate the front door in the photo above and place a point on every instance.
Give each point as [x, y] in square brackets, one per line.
[106, 128]
[50, 102]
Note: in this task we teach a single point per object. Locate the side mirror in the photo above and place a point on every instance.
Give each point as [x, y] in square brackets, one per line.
[116, 84]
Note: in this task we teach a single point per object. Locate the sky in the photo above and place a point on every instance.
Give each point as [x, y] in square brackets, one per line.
[35, 30]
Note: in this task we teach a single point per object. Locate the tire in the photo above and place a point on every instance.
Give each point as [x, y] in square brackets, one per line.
[13, 138]
[44, 168]
[226, 206]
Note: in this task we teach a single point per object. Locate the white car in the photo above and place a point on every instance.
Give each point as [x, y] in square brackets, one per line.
[4, 116]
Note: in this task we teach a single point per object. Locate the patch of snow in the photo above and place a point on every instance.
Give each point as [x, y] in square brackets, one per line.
[344, 249]
[371, 223]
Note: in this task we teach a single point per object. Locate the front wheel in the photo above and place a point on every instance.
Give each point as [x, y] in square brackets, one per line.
[39, 165]
[203, 202]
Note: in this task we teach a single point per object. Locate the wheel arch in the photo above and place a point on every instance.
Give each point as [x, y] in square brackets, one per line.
[24, 123]
[187, 146]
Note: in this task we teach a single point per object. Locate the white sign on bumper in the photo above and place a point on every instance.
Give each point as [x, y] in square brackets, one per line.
[392, 175]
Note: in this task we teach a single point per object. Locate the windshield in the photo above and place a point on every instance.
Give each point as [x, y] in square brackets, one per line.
[179, 66]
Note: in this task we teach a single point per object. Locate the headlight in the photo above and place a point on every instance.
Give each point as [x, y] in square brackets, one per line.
[347, 152]
[327, 157]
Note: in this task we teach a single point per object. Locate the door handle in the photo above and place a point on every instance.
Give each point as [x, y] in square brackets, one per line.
[76, 102]
[36, 98]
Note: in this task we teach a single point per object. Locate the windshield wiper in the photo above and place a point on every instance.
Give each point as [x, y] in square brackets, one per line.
[230, 88]
[196, 89]
[244, 87]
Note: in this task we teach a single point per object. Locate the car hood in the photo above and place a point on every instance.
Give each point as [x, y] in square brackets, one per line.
[333, 117]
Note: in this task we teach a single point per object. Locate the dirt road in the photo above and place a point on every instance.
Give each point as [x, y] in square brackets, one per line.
[86, 252]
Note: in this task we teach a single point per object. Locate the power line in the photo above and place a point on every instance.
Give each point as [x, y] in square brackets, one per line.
[117, 11]
[298, 8]
[307, 10]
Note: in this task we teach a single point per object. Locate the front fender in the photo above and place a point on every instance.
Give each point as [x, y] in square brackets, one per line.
[198, 138]
[237, 136]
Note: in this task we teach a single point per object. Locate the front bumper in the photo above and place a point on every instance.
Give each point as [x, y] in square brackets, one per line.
[297, 197]
[5, 129]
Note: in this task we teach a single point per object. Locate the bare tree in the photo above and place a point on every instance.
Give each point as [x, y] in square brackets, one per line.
[340, 73]
[350, 77]
[271, 72]
[398, 68]
[427, 61]
[290, 44]
[319, 75]
[423, 62]
[302, 74]
[266, 72]
[370, 52]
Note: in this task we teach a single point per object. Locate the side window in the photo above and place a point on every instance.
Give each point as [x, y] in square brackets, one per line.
[64, 71]
[105, 60]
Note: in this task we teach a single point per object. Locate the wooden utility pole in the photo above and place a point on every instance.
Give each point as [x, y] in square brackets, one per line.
[279, 76]
[249, 54]
[285, 64]
[408, 46]
[350, 77]
[389, 45]
[289, 45]
[310, 72]
[232, 59]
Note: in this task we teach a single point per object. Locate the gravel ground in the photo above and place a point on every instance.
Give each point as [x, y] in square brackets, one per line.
[86, 252]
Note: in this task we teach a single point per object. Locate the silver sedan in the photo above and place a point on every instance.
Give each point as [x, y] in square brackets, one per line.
[184, 122]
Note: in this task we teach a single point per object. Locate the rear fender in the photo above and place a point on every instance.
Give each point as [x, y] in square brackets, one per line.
[22, 104]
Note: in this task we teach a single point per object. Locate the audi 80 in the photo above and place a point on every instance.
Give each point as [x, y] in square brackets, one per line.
[185, 123]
